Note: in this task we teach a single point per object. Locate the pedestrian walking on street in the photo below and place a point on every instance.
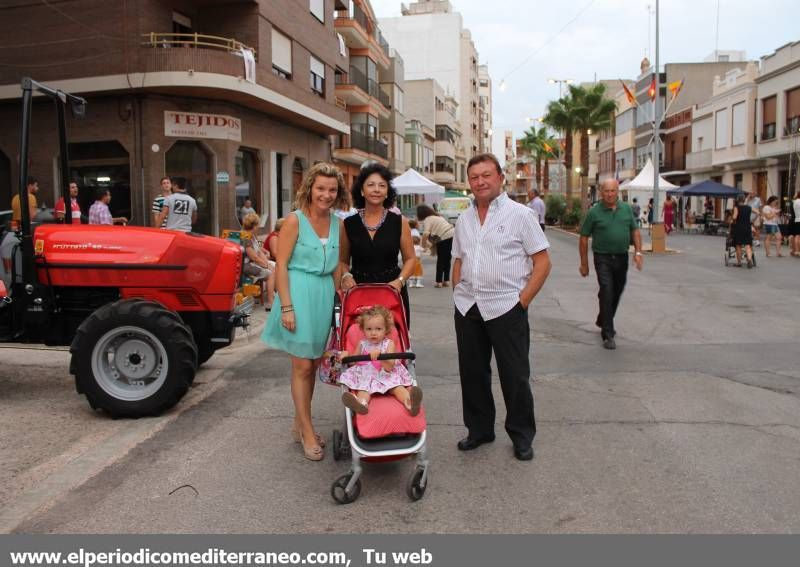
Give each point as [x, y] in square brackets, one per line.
[794, 226]
[668, 214]
[537, 205]
[307, 259]
[438, 233]
[771, 213]
[754, 202]
[742, 231]
[501, 263]
[637, 211]
[158, 202]
[179, 209]
[612, 228]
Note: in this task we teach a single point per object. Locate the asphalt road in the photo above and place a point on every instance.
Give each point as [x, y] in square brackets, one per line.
[691, 425]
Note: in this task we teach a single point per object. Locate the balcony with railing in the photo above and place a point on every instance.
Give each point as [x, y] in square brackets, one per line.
[356, 89]
[677, 163]
[345, 144]
[198, 53]
[698, 160]
[359, 32]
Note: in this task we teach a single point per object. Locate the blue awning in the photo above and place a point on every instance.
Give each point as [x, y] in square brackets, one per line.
[707, 188]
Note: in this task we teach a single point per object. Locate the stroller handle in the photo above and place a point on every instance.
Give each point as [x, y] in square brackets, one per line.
[384, 356]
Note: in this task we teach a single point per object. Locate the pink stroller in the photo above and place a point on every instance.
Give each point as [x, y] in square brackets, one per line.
[387, 432]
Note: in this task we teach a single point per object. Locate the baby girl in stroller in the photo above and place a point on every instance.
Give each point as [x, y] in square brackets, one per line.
[377, 376]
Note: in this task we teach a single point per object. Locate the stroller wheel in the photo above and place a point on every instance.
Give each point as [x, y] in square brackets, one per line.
[337, 445]
[340, 494]
[415, 489]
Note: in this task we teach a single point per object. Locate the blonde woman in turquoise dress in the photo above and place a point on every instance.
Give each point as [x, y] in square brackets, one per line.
[306, 277]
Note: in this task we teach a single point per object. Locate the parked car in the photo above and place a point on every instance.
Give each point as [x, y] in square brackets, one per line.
[451, 207]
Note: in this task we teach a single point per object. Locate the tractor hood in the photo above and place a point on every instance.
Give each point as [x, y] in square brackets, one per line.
[129, 257]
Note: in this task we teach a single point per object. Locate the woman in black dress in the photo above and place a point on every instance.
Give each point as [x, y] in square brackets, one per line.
[742, 231]
[371, 240]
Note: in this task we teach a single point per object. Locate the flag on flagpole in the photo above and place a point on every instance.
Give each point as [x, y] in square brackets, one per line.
[651, 90]
[628, 93]
[675, 87]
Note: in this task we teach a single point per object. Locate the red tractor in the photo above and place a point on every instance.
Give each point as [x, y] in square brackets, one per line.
[141, 308]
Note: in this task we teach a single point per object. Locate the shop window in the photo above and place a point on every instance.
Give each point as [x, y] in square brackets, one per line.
[104, 164]
[193, 162]
[247, 178]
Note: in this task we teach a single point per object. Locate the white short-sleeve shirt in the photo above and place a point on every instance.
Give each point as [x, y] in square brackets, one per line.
[495, 256]
[181, 207]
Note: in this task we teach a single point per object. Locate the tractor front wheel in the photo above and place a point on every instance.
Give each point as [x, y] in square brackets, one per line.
[133, 358]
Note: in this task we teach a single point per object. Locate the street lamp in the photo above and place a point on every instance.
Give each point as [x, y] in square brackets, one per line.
[560, 82]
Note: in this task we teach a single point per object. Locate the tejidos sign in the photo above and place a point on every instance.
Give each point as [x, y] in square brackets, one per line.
[197, 125]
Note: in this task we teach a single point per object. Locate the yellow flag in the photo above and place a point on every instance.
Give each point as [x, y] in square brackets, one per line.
[675, 87]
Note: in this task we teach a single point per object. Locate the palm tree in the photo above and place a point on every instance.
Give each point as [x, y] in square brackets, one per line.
[593, 113]
[542, 147]
[561, 116]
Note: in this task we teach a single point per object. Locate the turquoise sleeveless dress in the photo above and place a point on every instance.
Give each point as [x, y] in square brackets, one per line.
[312, 290]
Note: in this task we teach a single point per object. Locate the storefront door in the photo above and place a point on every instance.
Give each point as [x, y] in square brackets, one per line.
[191, 161]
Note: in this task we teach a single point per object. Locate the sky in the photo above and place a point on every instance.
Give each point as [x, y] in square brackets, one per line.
[522, 43]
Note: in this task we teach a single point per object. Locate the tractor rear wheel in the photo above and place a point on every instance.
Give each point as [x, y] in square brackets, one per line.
[133, 358]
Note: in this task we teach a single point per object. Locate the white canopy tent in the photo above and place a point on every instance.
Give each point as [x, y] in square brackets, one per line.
[413, 183]
[641, 186]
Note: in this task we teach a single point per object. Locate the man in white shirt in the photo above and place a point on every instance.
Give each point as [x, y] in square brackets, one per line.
[501, 263]
[537, 205]
[180, 208]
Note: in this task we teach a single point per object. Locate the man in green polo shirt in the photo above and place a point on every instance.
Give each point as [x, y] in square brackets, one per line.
[612, 227]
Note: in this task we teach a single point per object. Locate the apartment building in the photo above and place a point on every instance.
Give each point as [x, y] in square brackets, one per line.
[427, 103]
[393, 128]
[432, 40]
[723, 132]
[485, 105]
[778, 120]
[524, 173]
[624, 137]
[358, 89]
[696, 88]
[236, 98]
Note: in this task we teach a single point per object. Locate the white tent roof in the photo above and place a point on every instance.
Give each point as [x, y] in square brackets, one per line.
[644, 181]
[413, 183]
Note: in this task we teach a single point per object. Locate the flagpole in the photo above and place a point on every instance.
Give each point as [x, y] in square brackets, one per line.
[657, 230]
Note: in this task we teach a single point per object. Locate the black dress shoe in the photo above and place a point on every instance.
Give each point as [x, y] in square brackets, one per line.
[610, 344]
[524, 453]
[470, 443]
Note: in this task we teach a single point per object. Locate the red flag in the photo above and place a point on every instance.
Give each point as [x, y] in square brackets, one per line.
[628, 94]
[651, 90]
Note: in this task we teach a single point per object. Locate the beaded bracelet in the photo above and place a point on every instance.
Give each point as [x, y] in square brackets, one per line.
[287, 309]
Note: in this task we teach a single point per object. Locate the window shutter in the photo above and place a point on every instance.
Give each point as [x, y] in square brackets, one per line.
[317, 67]
[317, 8]
[769, 110]
[281, 52]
